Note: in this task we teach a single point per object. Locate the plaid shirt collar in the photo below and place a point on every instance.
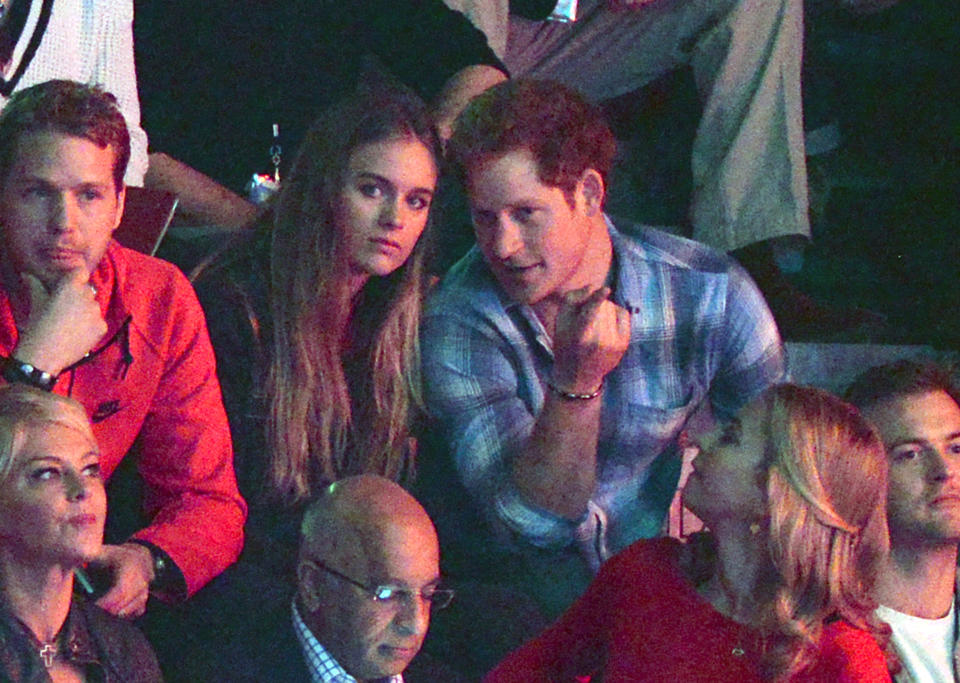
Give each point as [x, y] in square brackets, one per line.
[322, 666]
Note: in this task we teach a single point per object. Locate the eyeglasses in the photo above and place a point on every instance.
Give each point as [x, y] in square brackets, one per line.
[389, 594]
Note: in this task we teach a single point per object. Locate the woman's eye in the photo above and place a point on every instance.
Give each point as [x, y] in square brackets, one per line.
[36, 192]
[92, 470]
[45, 474]
[370, 190]
[418, 203]
[906, 454]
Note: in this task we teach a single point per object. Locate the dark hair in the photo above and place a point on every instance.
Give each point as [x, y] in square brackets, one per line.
[84, 111]
[565, 134]
[900, 378]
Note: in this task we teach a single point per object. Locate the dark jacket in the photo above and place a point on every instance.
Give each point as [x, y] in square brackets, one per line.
[108, 649]
[235, 297]
[266, 649]
[260, 649]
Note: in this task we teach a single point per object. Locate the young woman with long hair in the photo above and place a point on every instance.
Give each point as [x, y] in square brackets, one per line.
[314, 313]
[793, 492]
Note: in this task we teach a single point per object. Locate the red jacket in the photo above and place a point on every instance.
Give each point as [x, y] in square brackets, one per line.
[153, 377]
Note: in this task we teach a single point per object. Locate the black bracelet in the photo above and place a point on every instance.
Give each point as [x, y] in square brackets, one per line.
[17, 372]
[168, 580]
[570, 396]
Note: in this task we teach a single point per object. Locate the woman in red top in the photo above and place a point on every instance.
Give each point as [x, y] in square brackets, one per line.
[793, 491]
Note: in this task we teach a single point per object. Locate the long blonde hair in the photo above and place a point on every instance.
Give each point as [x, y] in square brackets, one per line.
[332, 416]
[826, 500]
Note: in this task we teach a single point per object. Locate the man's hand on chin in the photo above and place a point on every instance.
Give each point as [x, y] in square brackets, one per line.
[64, 322]
[592, 333]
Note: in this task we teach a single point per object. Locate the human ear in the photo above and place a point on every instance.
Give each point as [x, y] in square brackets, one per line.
[592, 190]
[121, 202]
[308, 587]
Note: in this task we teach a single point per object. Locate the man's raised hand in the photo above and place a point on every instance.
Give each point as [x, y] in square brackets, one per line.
[590, 337]
[64, 322]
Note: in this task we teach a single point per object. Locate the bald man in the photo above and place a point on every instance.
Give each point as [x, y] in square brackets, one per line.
[368, 574]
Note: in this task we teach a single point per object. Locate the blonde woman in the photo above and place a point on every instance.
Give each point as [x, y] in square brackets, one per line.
[793, 493]
[314, 315]
[52, 510]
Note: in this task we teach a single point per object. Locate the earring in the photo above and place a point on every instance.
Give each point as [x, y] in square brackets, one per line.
[755, 528]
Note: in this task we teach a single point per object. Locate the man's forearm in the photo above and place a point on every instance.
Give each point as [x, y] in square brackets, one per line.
[459, 90]
[202, 199]
[557, 469]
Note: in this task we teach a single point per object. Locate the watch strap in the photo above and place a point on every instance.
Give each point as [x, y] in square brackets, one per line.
[18, 372]
[168, 581]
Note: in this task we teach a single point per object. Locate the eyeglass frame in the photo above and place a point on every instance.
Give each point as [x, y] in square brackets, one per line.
[440, 598]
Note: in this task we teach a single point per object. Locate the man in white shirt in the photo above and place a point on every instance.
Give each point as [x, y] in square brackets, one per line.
[916, 409]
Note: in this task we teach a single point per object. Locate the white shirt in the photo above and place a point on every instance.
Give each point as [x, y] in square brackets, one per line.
[493, 18]
[90, 41]
[925, 646]
[566, 10]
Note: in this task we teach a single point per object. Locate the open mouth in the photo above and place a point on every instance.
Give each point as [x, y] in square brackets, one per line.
[519, 271]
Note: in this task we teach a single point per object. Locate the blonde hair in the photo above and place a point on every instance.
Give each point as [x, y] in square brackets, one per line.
[332, 414]
[23, 408]
[826, 500]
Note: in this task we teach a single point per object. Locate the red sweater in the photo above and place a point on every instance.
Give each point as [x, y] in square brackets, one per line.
[153, 378]
[642, 620]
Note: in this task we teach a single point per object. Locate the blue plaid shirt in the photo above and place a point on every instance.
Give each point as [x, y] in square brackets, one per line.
[322, 666]
[700, 332]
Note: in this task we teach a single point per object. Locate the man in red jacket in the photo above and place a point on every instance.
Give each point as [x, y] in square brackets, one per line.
[120, 332]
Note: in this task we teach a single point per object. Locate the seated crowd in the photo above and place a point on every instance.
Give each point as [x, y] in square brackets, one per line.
[514, 429]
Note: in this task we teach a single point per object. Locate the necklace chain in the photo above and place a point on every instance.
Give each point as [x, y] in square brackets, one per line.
[722, 589]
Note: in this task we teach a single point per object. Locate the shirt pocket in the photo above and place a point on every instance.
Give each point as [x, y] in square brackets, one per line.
[633, 433]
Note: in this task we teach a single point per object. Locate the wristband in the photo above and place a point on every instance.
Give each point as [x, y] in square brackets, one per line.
[18, 372]
[570, 396]
[168, 580]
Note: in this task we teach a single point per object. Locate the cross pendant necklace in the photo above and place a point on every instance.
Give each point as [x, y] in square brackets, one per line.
[48, 653]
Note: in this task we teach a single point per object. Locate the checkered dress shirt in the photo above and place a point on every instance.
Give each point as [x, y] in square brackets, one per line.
[323, 667]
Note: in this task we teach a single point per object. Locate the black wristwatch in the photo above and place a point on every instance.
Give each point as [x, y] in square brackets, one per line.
[168, 581]
[18, 372]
